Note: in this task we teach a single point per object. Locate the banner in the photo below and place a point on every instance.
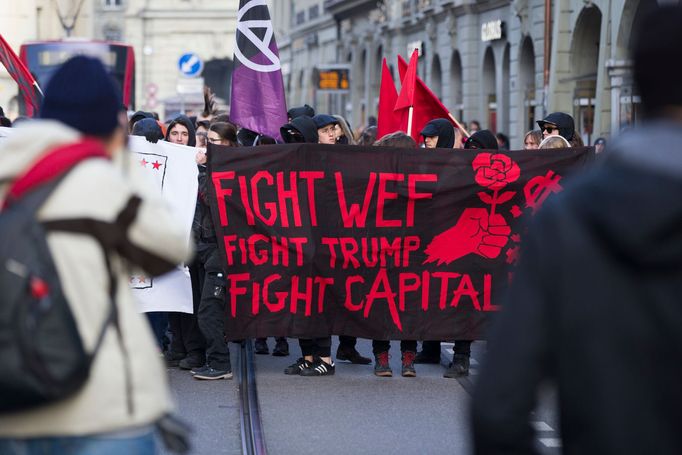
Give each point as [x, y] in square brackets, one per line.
[170, 168]
[374, 242]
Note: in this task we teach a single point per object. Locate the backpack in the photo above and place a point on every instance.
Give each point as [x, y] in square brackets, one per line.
[42, 356]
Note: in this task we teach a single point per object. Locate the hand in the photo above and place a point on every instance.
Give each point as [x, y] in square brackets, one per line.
[201, 157]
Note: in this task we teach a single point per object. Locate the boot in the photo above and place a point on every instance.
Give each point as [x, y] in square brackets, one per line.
[459, 367]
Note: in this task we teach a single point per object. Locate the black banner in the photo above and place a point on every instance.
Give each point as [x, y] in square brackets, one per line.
[374, 242]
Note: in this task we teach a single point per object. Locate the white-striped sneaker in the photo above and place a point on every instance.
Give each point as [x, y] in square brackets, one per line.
[319, 368]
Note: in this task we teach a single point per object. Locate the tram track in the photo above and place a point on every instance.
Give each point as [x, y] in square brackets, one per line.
[252, 437]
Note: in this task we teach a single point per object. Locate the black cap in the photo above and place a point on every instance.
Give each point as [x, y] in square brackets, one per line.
[483, 139]
[442, 128]
[322, 120]
[562, 121]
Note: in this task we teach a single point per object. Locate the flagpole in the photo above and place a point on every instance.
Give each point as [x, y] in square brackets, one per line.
[452, 117]
[409, 121]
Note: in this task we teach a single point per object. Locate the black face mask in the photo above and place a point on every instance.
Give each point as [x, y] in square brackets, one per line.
[342, 140]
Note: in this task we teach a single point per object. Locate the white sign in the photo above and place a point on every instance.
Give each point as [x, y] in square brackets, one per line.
[491, 31]
[190, 86]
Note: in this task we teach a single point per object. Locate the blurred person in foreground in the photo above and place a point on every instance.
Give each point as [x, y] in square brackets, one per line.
[126, 392]
[595, 306]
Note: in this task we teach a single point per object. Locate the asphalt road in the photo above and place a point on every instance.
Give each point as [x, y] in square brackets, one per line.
[352, 412]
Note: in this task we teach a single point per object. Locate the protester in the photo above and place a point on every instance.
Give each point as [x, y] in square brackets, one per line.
[595, 305]
[532, 139]
[136, 117]
[599, 145]
[187, 348]
[558, 124]
[304, 110]
[117, 222]
[502, 141]
[368, 137]
[483, 139]
[181, 131]
[438, 133]
[554, 142]
[149, 128]
[202, 132]
[326, 128]
[221, 133]
[474, 126]
[408, 348]
[316, 353]
[343, 131]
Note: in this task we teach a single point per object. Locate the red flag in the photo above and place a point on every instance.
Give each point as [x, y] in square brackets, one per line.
[408, 84]
[27, 84]
[427, 106]
[389, 120]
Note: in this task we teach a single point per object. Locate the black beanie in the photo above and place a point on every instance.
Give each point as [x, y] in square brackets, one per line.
[657, 57]
[562, 121]
[82, 95]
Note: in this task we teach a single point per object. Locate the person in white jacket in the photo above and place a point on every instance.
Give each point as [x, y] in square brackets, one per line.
[114, 412]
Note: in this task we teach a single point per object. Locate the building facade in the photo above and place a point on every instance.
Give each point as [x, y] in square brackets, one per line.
[494, 61]
[160, 31]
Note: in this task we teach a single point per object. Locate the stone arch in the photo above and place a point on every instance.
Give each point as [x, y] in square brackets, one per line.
[436, 80]
[489, 91]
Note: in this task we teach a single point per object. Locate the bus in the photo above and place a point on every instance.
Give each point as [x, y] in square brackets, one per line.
[42, 58]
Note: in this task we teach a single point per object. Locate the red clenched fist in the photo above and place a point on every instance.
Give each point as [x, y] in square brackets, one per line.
[475, 232]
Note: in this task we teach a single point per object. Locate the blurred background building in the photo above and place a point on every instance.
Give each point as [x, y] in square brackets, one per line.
[160, 31]
[488, 60]
[496, 61]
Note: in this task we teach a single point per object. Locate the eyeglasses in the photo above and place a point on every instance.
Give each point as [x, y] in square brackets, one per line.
[549, 128]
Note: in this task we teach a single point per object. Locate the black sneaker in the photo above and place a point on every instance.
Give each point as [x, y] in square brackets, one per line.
[296, 368]
[173, 358]
[319, 368]
[352, 355]
[192, 361]
[281, 348]
[261, 346]
[200, 369]
[381, 366]
[458, 368]
[211, 374]
[408, 370]
[427, 357]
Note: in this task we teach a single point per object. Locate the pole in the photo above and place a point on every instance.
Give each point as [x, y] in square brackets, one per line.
[409, 121]
[452, 117]
[548, 48]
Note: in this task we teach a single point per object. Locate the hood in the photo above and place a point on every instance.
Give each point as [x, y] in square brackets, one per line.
[634, 207]
[29, 142]
[303, 125]
[187, 123]
[443, 129]
[483, 139]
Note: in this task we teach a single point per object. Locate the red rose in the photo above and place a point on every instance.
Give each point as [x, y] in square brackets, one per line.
[495, 171]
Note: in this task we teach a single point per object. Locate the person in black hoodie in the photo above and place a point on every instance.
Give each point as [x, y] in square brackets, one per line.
[181, 131]
[595, 305]
[316, 354]
[438, 133]
[187, 349]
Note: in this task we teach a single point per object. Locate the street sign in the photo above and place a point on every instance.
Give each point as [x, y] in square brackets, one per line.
[190, 65]
[332, 78]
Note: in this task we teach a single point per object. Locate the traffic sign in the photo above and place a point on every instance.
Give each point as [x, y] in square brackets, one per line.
[190, 65]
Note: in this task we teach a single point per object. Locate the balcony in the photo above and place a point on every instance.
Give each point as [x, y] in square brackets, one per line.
[343, 9]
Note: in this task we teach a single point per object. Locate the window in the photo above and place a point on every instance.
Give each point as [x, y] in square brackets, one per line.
[313, 12]
[113, 4]
[300, 17]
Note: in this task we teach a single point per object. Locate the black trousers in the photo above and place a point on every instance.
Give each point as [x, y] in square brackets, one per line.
[211, 317]
[433, 347]
[346, 342]
[322, 347]
[384, 345]
[187, 337]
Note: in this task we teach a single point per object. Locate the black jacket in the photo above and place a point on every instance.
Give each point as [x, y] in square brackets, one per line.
[596, 307]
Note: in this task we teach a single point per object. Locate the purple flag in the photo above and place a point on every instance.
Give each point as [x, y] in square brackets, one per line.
[257, 101]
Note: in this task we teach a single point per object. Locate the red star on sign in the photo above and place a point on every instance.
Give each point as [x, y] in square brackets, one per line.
[141, 279]
[157, 165]
[143, 162]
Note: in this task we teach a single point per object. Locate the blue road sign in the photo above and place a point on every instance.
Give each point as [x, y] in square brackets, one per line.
[190, 65]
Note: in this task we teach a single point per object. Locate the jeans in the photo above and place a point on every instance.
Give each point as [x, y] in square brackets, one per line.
[139, 443]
